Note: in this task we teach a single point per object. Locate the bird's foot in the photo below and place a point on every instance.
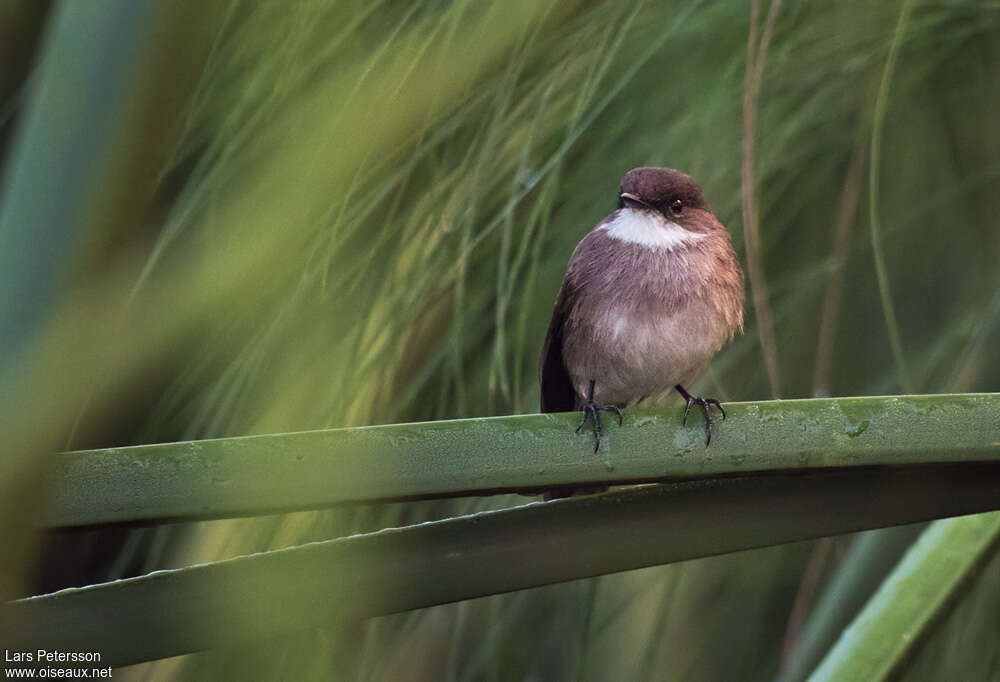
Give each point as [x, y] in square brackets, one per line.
[704, 404]
[593, 410]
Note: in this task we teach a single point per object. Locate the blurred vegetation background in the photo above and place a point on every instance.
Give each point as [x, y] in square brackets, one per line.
[287, 216]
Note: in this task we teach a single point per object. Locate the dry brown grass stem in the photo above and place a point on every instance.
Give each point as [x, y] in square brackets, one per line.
[819, 559]
[843, 226]
[756, 59]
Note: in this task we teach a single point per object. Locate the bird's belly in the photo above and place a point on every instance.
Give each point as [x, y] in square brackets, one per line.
[632, 355]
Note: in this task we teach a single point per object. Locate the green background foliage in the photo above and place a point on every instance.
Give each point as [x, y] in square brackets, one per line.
[322, 214]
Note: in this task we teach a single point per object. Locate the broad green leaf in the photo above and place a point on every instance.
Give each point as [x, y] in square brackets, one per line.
[932, 575]
[170, 612]
[265, 474]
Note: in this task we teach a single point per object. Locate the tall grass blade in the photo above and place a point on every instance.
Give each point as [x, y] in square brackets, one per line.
[881, 102]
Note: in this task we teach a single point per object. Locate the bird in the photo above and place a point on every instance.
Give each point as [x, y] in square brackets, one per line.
[649, 296]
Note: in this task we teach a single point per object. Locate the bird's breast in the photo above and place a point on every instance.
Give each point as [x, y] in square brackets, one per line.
[633, 354]
[648, 322]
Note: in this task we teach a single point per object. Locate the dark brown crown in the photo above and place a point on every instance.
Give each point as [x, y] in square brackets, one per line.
[660, 187]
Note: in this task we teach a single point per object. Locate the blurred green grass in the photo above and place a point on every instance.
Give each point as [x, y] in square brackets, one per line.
[363, 217]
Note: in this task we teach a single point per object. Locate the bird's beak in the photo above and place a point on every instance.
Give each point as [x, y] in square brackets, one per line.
[634, 199]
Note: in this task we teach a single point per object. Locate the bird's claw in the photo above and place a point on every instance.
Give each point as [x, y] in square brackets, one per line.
[704, 404]
[593, 410]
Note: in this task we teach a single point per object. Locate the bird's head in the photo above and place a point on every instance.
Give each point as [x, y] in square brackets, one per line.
[671, 194]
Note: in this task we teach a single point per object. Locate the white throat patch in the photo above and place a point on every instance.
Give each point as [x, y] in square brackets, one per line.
[648, 229]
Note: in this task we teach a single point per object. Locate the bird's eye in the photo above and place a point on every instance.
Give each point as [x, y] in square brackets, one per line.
[676, 206]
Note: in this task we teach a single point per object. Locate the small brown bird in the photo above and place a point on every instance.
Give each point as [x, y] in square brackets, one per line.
[649, 296]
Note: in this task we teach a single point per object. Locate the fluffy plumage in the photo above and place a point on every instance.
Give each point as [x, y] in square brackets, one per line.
[649, 296]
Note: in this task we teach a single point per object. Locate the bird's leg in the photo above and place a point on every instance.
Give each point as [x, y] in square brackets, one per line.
[593, 410]
[704, 404]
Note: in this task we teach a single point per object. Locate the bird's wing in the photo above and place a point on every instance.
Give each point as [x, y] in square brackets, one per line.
[558, 394]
